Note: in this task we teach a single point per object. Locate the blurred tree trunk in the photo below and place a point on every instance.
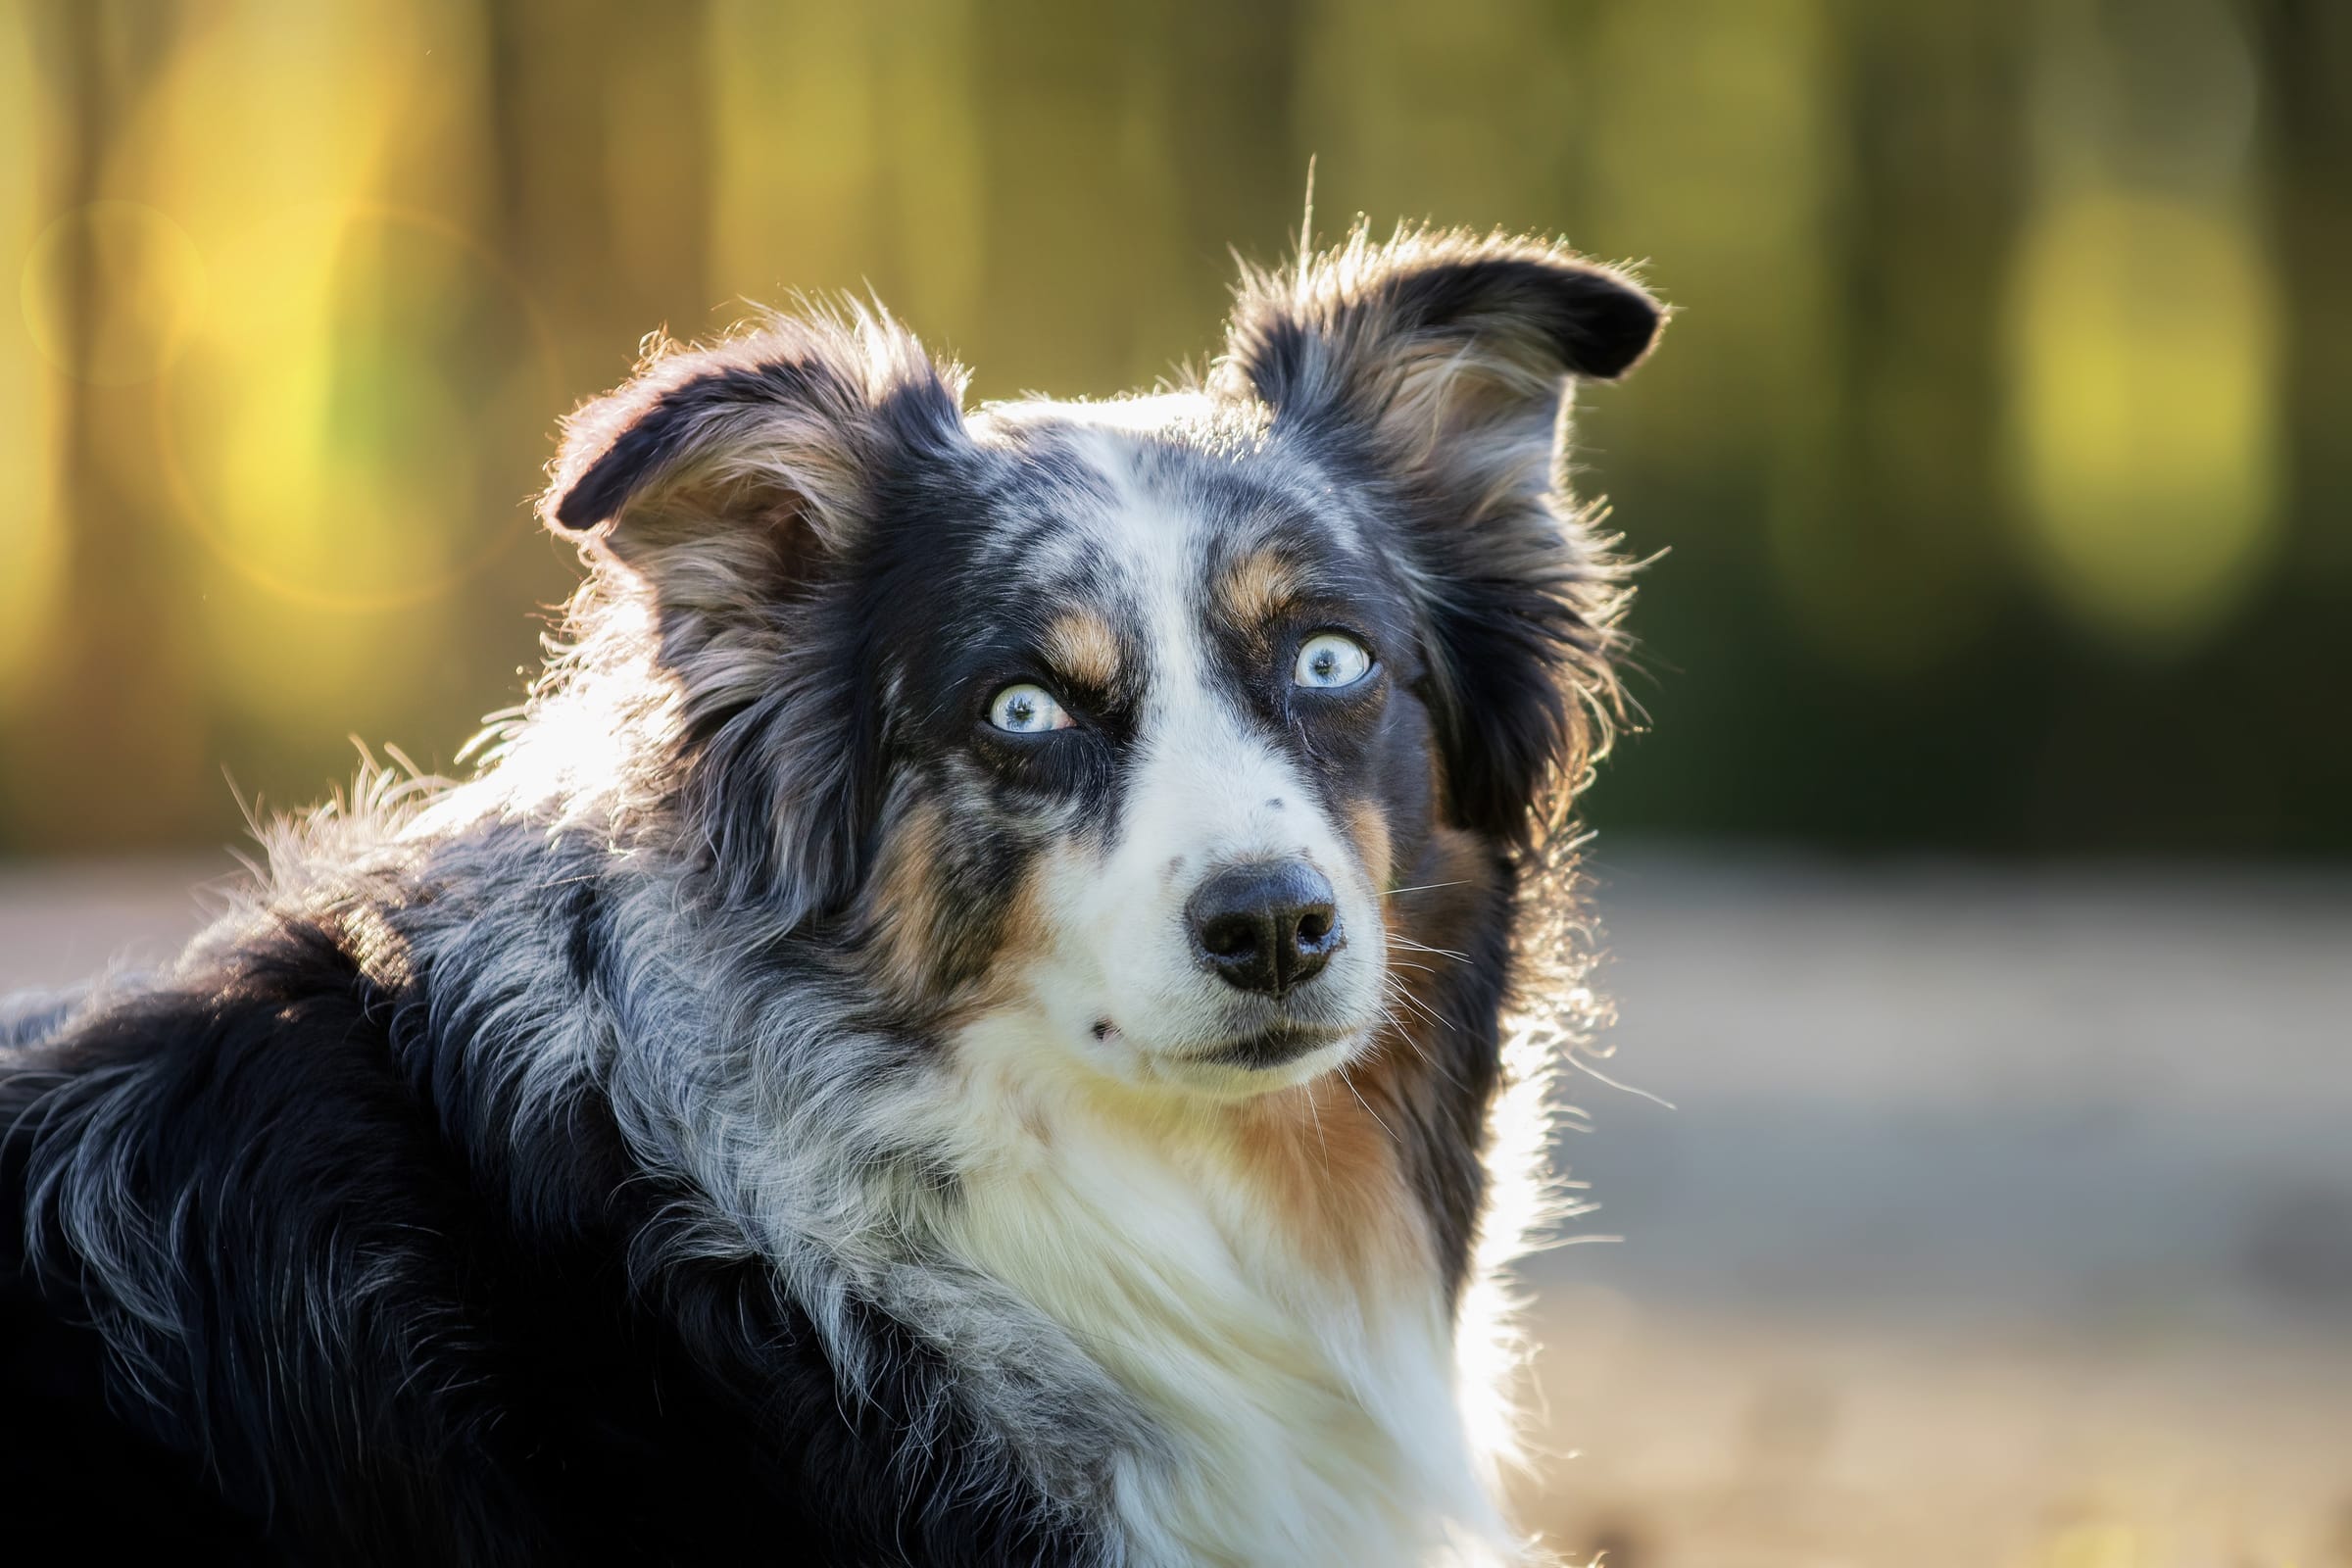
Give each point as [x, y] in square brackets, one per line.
[1242, 174]
[1906, 548]
[112, 750]
[2296, 779]
[2305, 51]
[600, 138]
[1198, 102]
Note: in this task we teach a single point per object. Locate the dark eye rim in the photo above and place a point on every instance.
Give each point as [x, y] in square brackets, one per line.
[991, 690]
[1374, 671]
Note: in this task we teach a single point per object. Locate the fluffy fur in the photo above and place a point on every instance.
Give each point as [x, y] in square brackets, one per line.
[774, 1106]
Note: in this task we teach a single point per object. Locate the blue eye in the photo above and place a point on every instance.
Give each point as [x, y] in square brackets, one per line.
[1026, 711]
[1330, 660]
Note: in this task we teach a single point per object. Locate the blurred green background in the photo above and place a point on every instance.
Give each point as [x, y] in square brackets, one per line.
[2002, 448]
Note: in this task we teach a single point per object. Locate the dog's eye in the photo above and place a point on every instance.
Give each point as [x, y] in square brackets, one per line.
[1329, 660]
[1026, 711]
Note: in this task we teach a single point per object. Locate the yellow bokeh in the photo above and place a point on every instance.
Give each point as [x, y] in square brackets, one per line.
[2143, 351]
[2093, 1546]
[112, 291]
[32, 534]
[319, 432]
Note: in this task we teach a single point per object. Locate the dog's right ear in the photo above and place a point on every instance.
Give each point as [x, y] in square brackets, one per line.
[738, 461]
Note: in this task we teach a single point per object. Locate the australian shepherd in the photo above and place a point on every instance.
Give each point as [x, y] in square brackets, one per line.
[961, 1023]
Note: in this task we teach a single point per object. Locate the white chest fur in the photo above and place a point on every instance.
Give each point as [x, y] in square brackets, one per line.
[1310, 1411]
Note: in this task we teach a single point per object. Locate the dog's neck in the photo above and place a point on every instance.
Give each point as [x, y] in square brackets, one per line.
[1259, 1277]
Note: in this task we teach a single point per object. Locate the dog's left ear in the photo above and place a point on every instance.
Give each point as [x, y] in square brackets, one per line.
[1440, 364]
[730, 484]
[762, 447]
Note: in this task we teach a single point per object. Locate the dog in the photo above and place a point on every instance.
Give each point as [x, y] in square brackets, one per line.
[961, 1022]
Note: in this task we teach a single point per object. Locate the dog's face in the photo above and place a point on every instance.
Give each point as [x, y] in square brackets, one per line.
[1158, 733]
[1098, 736]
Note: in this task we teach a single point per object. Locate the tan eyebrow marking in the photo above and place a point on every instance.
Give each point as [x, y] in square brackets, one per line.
[1259, 587]
[1081, 644]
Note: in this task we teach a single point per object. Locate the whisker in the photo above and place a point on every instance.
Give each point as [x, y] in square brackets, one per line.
[1315, 1110]
[1404, 993]
[1397, 1027]
[1576, 1059]
[1368, 1110]
[1428, 1013]
[1420, 1051]
[1460, 882]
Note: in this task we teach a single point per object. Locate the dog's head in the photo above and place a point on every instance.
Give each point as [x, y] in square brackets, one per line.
[1102, 732]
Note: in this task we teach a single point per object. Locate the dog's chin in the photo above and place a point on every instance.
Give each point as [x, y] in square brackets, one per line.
[1255, 1063]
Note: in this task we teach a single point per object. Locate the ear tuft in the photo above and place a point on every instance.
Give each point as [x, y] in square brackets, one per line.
[786, 416]
[1346, 322]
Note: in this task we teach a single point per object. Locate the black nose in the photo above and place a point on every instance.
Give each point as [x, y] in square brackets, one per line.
[1265, 926]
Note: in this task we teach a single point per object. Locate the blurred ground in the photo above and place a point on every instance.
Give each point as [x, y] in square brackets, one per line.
[2005, 1217]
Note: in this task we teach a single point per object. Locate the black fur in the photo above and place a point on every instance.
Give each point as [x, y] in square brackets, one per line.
[405, 1338]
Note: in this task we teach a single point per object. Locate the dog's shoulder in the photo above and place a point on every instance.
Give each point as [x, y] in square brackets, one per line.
[273, 1256]
[236, 1250]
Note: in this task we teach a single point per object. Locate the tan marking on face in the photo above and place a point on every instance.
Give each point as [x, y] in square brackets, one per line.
[1442, 896]
[1368, 831]
[1081, 644]
[1025, 939]
[1257, 588]
[905, 942]
[903, 904]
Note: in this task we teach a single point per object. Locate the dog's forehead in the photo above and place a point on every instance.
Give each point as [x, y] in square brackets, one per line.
[1111, 501]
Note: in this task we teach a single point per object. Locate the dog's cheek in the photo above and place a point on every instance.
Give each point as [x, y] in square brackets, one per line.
[952, 914]
[1023, 941]
[1367, 830]
[907, 909]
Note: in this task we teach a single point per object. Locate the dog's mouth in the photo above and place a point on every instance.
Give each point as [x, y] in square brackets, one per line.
[1269, 1048]
[1272, 1050]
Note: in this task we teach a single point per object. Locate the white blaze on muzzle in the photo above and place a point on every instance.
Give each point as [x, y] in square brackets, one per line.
[1208, 794]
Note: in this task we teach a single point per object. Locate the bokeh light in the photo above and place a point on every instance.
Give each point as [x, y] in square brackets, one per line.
[2144, 359]
[112, 292]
